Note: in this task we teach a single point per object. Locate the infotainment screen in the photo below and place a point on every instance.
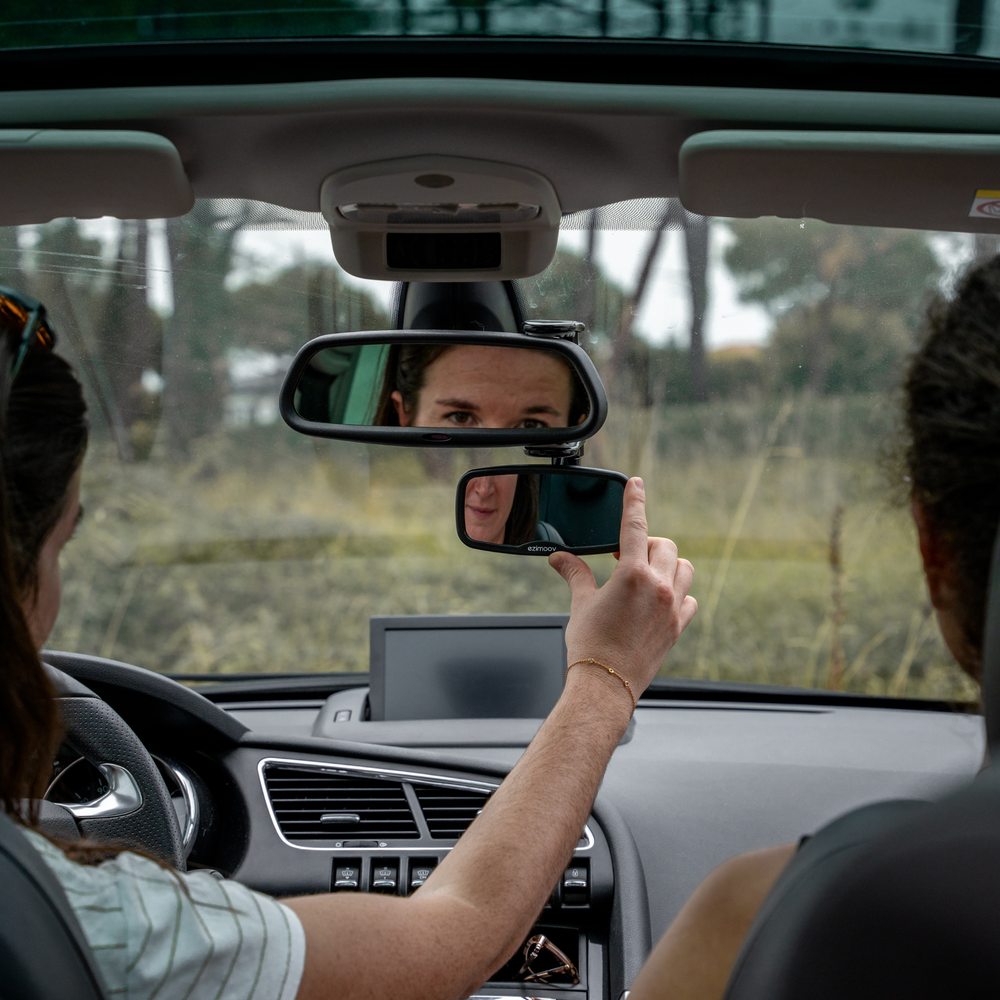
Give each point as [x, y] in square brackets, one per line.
[466, 666]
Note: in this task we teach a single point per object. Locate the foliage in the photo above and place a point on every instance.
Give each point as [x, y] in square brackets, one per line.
[300, 302]
[865, 352]
[847, 300]
[783, 263]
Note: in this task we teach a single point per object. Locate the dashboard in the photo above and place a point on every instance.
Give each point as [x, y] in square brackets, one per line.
[296, 792]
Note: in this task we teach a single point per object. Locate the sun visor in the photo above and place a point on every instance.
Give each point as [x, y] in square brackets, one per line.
[441, 218]
[53, 173]
[903, 180]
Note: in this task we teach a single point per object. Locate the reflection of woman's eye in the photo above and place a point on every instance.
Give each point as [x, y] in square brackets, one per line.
[531, 424]
[459, 417]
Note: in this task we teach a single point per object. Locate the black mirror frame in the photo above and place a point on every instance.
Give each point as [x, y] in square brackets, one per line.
[531, 548]
[423, 437]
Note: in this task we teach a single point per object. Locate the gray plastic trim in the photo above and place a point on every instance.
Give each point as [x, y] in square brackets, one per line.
[192, 807]
[121, 798]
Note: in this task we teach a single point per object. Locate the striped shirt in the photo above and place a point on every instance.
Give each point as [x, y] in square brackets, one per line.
[151, 939]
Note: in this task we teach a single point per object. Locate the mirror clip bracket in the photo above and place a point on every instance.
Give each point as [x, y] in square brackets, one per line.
[554, 329]
[561, 454]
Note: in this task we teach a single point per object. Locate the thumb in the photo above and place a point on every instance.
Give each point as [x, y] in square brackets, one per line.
[574, 571]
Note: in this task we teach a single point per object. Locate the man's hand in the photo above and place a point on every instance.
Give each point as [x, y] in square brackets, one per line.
[632, 621]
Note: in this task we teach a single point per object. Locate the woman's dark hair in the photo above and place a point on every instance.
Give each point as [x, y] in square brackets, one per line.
[522, 522]
[43, 436]
[406, 373]
[952, 415]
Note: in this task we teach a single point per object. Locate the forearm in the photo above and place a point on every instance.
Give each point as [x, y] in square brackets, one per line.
[695, 956]
[480, 902]
[505, 866]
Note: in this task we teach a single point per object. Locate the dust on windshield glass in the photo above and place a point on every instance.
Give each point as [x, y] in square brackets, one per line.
[926, 26]
[751, 368]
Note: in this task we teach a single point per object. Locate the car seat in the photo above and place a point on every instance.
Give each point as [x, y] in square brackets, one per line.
[897, 899]
[43, 953]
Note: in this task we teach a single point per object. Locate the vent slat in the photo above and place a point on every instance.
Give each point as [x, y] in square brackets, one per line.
[300, 797]
[449, 811]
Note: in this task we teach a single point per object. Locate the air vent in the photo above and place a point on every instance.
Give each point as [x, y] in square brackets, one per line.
[312, 805]
[449, 811]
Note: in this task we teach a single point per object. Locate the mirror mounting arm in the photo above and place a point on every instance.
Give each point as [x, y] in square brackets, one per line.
[554, 329]
[561, 454]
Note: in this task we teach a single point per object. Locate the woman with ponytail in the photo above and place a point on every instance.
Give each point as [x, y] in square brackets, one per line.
[43, 437]
[157, 932]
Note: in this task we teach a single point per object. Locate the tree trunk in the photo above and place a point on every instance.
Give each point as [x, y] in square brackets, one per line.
[588, 298]
[696, 245]
[969, 26]
[819, 344]
[765, 20]
[623, 334]
[194, 361]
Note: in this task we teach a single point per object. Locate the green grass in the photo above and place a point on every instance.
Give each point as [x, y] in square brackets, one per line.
[269, 552]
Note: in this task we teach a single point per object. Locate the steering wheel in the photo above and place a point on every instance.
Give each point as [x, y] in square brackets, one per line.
[136, 810]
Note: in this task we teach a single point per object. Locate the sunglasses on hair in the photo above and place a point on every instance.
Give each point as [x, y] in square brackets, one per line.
[24, 323]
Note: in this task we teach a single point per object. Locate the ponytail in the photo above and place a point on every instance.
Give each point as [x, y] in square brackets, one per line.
[43, 436]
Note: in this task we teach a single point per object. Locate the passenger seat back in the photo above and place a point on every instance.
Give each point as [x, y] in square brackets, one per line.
[912, 915]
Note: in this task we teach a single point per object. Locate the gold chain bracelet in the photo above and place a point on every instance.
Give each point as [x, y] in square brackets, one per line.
[610, 670]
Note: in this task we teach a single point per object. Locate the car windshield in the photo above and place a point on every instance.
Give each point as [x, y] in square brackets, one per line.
[751, 367]
[927, 26]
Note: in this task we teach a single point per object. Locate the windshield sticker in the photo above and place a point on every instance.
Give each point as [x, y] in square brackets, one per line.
[986, 204]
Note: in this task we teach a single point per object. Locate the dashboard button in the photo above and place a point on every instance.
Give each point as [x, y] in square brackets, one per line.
[385, 877]
[420, 872]
[576, 885]
[346, 878]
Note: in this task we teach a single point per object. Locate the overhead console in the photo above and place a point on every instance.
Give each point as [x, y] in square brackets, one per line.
[441, 218]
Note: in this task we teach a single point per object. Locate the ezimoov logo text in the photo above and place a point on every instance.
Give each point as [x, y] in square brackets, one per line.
[542, 548]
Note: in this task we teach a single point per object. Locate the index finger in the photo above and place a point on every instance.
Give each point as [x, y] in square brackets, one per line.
[634, 535]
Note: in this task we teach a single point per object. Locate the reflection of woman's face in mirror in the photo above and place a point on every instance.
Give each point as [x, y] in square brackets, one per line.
[488, 501]
[500, 387]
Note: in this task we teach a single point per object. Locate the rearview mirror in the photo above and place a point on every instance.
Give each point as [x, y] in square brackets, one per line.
[444, 388]
[533, 510]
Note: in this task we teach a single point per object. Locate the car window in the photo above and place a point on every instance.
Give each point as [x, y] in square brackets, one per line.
[929, 26]
[215, 539]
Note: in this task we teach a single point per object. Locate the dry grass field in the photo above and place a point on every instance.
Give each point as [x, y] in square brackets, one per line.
[269, 552]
